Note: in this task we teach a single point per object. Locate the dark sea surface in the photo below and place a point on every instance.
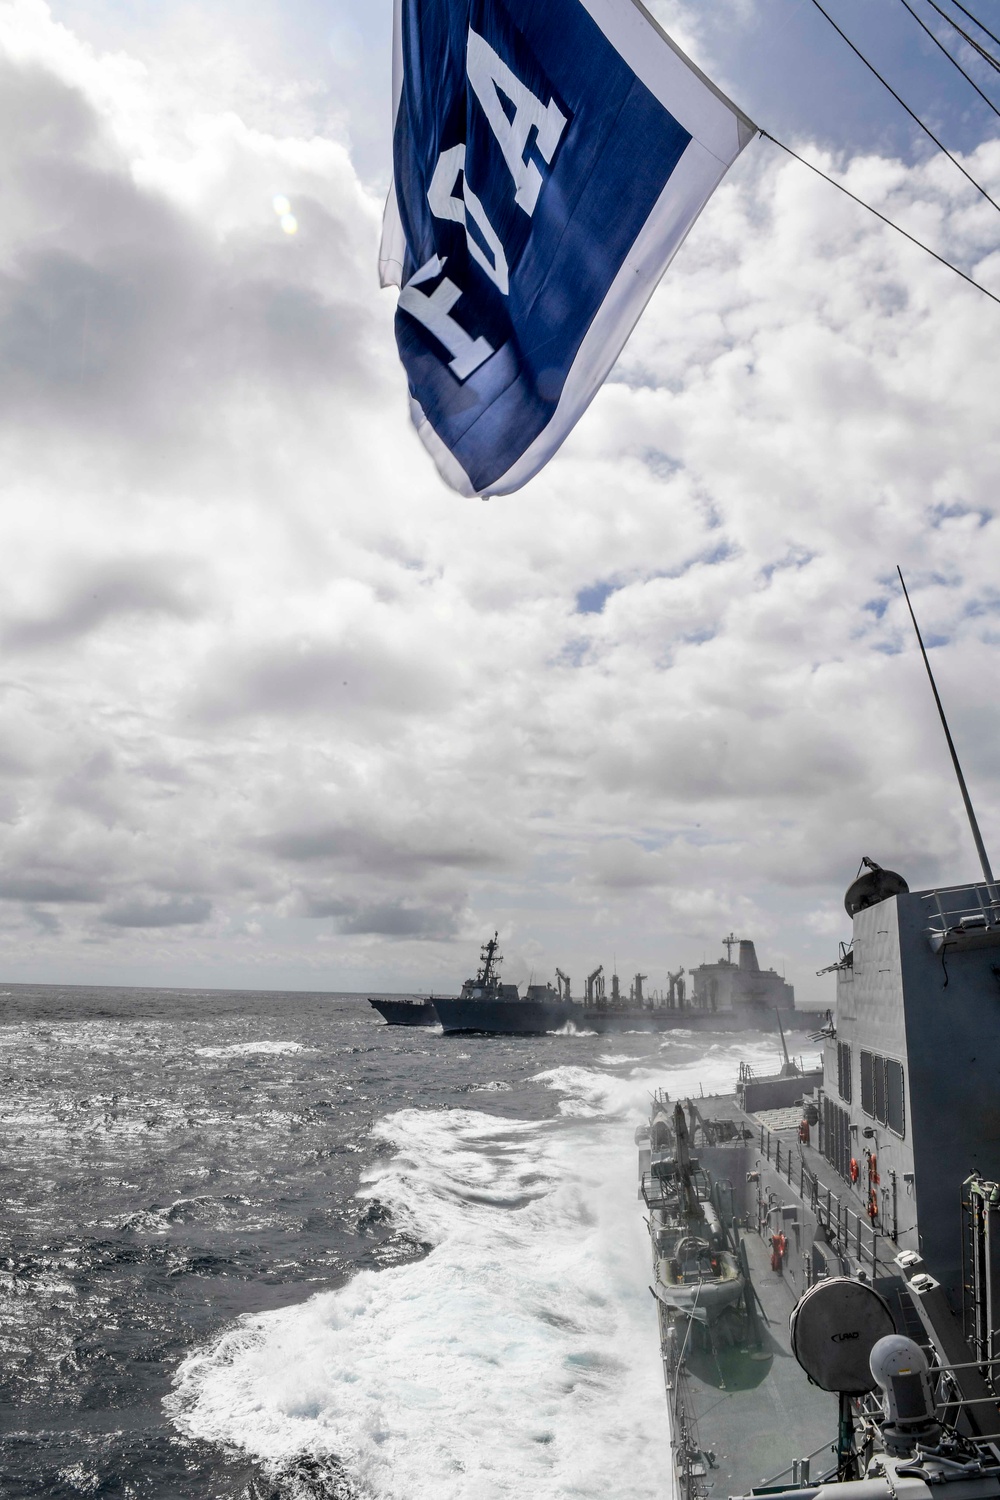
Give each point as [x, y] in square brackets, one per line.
[263, 1245]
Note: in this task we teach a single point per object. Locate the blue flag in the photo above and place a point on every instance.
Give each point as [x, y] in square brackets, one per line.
[548, 161]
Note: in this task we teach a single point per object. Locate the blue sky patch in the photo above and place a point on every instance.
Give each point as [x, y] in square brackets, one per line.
[591, 600]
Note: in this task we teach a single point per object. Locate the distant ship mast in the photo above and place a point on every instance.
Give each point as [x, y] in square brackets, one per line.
[490, 959]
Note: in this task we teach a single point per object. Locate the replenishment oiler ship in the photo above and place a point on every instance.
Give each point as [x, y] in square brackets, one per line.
[730, 995]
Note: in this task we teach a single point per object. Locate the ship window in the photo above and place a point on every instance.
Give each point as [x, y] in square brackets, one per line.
[894, 1116]
[836, 1139]
[868, 1083]
[844, 1070]
[879, 1071]
[882, 1091]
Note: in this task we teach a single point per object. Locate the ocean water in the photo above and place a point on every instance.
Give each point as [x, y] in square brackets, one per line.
[264, 1246]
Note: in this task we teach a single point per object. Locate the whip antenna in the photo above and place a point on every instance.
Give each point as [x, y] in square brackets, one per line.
[977, 836]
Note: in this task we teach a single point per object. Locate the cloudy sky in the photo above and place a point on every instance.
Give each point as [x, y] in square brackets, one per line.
[279, 710]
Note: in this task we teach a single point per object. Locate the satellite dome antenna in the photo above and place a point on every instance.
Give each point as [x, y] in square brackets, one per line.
[977, 836]
[833, 1329]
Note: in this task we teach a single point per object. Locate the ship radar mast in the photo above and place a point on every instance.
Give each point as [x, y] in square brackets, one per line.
[490, 959]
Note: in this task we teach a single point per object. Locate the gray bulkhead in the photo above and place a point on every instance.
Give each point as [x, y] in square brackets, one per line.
[870, 1018]
[933, 1006]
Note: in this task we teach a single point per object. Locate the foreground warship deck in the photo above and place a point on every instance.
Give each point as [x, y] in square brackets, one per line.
[872, 1180]
[742, 1413]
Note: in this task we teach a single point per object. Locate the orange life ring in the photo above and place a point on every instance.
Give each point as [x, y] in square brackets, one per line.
[855, 1170]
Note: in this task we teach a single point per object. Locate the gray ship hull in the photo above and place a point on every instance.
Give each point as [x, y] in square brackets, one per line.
[747, 1019]
[508, 1017]
[537, 1017]
[406, 1012]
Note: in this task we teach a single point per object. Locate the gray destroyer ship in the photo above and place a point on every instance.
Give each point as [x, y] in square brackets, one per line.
[858, 1355]
[488, 1005]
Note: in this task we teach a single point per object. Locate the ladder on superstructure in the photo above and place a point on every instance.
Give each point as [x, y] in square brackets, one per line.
[981, 1269]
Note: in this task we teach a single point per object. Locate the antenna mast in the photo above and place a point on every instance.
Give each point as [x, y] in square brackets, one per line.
[784, 1046]
[977, 836]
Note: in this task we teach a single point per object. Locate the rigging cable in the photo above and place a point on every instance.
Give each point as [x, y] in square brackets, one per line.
[976, 19]
[986, 55]
[912, 113]
[938, 43]
[899, 230]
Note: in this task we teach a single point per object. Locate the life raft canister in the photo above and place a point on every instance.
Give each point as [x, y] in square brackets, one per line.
[779, 1245]
[855, 1170]
[804, 1132]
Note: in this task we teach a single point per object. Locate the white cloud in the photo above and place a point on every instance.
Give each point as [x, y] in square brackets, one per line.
[276, 709]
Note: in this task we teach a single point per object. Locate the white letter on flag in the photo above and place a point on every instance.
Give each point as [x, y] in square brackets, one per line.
[434, 312]
[487, 74]
[444, 205]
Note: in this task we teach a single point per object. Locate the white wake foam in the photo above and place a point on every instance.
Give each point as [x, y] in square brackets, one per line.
[249, 1049]
[693, 1069]
[519, 1357]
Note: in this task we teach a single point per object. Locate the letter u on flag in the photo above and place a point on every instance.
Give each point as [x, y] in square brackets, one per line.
[549, 158]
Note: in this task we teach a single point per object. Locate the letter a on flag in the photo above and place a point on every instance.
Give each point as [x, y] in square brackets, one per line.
[549, 158]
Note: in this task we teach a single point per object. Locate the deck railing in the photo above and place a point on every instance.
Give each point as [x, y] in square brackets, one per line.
[848, 1230]
[962, 906]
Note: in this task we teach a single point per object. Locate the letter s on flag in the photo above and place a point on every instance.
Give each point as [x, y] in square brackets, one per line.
[524, 252]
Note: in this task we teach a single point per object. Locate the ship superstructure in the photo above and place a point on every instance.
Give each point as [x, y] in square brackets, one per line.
[740, 988]
[729, 995]
[912, 1100]
[862, 1206]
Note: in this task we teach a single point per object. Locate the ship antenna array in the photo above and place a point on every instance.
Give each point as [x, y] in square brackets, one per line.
[977, 836]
